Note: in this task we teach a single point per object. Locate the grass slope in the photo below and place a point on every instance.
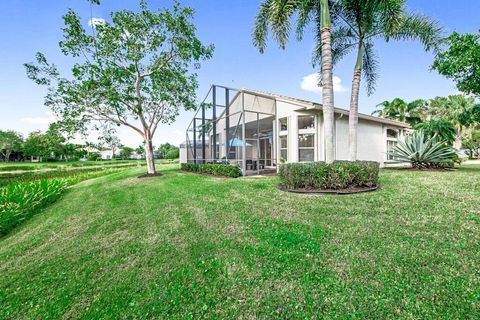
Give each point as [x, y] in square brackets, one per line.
[189, 246]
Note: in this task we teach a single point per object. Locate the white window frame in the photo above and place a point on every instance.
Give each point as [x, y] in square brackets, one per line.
[311, 131]
[393, 142]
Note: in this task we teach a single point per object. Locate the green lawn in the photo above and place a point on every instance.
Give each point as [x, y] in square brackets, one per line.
[190, 246]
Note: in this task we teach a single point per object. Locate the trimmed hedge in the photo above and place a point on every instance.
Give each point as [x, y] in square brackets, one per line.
[225, 170]
[335, 176]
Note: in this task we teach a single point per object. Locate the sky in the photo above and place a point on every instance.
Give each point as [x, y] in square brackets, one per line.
[28, 26]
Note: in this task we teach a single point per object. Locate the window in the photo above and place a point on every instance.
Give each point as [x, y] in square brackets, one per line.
[284, 147]
[390, 146]
[391, 143]
[306, 147]
[306, 122]
[391, 134]
[283, 124]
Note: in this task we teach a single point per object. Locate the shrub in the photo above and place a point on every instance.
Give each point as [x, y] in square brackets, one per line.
[17, 168]
[338, 175]
[423, 152]
[18, 201]
[23, 198]
[226, 170]
[173, 153]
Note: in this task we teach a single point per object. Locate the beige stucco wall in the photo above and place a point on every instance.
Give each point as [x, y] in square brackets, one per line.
[371, 135]
[371, 140]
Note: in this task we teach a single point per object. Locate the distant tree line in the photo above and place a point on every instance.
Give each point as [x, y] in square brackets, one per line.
[51, 145]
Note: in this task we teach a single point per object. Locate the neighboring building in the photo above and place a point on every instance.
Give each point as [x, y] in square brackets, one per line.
[106, 154]
[136, 156]
[264, 129]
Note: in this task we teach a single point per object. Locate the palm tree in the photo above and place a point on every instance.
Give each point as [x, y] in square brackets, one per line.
[276, 15]
[397, 109]
[456, 109]
[360, 22]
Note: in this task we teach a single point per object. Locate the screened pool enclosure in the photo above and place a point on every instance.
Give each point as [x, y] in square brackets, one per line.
[234, 127]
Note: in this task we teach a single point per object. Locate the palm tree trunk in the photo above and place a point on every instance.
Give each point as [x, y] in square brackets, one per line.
[353, 114]
[327, 81]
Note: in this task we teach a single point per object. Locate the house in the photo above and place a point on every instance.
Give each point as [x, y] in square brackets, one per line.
[257, 131]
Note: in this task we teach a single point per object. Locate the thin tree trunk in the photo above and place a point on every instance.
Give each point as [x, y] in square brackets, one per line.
[353, 114]
[149, 155]
[457, 144]
[327, 82]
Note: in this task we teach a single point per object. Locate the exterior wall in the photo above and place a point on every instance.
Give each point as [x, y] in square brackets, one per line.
[183, 154]
[372, 145]
[286, 110]
[371, 141]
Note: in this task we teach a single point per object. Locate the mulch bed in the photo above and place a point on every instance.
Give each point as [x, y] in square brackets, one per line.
[329, 191]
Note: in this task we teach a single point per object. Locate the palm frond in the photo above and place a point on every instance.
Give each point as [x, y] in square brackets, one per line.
[418, 27]
[305, 10]
[370, 67]
[260, 31]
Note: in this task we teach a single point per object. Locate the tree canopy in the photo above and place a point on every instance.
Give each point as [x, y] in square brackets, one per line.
[460, 61]
[135, 70]
[10, 141]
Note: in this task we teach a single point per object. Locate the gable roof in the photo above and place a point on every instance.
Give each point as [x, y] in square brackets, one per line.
[309, 105]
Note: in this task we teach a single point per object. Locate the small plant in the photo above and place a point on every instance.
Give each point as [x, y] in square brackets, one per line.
[423, 152]
[323, 176]
[225, 170]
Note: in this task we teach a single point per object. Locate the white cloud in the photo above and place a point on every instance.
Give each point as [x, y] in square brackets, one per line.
[310, 84]
[42, 120]
[96, 21]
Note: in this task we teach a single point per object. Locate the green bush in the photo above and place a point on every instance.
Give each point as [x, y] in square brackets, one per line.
[16, 168]
[338, 175]
[225, 170]
[18, 201]
[173, 154]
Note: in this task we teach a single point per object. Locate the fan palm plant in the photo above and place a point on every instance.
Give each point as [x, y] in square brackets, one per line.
[276, 15]
[423, 152]
[360, 23]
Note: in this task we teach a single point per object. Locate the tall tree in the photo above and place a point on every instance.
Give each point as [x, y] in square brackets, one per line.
[163, 149]
[36, 145]
[360, 23]
[460, 61]
[10, 141]
[133, 71]
[276, 15]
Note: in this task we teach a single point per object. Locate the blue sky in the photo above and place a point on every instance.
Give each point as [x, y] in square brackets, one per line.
[30, 26]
